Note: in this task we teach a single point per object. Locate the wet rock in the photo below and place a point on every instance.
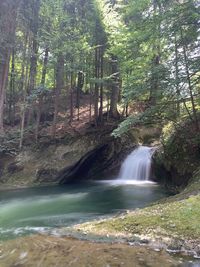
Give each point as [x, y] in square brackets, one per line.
[81, 168]
[157, 249]
[144, 241]
[66, 157]
[14, 167]
[175, 246]
[1, 169]
[46, 175]
[95, 164]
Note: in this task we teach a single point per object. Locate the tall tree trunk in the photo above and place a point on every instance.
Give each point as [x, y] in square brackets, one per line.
[154, 81]
[40, 98]
[108, 107]
[8, 15]
[24, 62]
[190, 87]
[11, 110]
[91, 98]
[3, 79]
[24, 81]
[79, 88]
[23, 112]
[115, 88]
[96, 89]
[71, 96]
[177, 78]
[101, 87]
[33, 59]
[156, 58]
[59, 86]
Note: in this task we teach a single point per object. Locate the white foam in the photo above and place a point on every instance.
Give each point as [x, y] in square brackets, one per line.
[137, 166]
[128, 182]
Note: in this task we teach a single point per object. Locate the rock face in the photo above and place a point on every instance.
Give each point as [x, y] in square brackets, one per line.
[46, 175]
[167, 172]
[81, 169]
[65, 160]
[178, 159]
[98, 163]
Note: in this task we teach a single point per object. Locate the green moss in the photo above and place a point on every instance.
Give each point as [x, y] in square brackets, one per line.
[179, 157]
[181, 148]
[174, 220]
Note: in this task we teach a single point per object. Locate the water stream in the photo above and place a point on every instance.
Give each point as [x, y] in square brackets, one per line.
[42, 209]
[137, 166]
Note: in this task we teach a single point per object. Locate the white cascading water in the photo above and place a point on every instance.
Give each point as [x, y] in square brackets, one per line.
[137, 166]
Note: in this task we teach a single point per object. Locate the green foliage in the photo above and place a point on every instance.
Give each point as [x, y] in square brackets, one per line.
[151, 116]
[150, 48]
[37, 92]
[155, 43]
[181, 144]
[168, 131]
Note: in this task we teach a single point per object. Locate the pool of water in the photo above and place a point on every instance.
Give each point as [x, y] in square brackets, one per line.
[41, 209]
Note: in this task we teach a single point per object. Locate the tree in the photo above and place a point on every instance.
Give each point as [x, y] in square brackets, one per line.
[160, 60]
[8, 16]
[59, 85]
[115, 88]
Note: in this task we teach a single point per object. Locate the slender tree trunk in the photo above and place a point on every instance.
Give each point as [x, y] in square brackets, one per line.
[11, 110]
[22, 125]
[90, 87]
[96, 90]
[8, 15]
[24, 81]
[34, 53]
[59, 86]
[101, 87]
[177, 78]
[127, 110]
[190, 87]
[24, 63]
[40, 98]
[79, 88]
[154, 81]
[108, 108]
[156, 58]
[3, 79]
[71, 97]
[90, 109]
[33, 66]
[115, 89]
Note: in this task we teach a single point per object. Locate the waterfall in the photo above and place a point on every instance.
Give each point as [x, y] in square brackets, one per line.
[137, 166]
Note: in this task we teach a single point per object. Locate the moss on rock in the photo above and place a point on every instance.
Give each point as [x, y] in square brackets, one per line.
[179, 157]
[173, 225]
[41, 163]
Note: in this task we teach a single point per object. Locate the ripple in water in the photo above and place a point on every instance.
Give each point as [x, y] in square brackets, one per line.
[42, 209]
